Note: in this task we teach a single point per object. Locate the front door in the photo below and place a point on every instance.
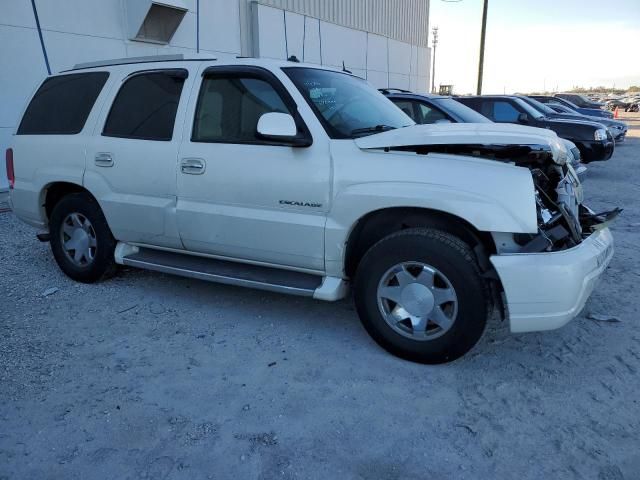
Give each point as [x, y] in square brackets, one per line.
[243, 197]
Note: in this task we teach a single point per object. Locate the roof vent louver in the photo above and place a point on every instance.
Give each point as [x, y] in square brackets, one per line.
[154, 21]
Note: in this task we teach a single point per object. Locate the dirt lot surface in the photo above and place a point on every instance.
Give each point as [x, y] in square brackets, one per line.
[151, 376]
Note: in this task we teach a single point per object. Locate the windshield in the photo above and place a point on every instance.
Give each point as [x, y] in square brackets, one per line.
[562, 108]
[586, 100]
[539, 106]
[529, 109]
[462, 113]
[347, 106]
[565, 102]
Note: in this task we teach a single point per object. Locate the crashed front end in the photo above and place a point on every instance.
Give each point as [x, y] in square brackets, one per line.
[546, 275]
[563, 220]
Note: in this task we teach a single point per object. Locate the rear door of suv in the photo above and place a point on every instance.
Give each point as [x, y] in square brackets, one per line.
[132, 160]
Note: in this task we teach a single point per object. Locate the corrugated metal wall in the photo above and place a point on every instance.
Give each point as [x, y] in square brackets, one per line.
[404, 20]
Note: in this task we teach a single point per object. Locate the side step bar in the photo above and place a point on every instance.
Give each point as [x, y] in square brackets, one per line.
[232, 273]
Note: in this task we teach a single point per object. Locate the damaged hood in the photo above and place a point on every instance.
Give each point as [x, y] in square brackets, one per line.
[453, 134]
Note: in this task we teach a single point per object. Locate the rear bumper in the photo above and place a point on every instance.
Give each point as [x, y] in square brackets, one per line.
[545, 291]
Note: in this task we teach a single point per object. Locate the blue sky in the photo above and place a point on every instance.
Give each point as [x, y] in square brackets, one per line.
[538, 44]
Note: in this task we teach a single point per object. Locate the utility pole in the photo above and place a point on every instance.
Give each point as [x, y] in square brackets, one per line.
[434, 43]
[482, 39]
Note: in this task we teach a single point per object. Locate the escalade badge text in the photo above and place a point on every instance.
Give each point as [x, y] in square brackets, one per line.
[300, 204]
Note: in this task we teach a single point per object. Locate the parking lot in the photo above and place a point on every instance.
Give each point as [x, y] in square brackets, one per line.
[152, 376]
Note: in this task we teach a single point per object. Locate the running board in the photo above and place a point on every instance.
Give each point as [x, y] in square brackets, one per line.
[232, 273]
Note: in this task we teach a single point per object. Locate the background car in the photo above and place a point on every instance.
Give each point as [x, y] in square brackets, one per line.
[595, 112]
[425, 109]
[593, 139]
[616, 103]
[617, 128]
[580, 100]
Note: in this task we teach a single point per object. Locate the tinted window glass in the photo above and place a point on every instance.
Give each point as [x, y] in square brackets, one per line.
[62, 104]
[430, 114]
[407, 107]
[229, 109]
[461, 112]
[145, 107]
[541, 107]
[503, 112]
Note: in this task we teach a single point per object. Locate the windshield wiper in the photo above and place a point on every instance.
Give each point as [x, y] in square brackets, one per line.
[376, 129]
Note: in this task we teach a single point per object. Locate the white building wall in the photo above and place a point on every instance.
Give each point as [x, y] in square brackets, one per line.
[383, 61]
[76, 31]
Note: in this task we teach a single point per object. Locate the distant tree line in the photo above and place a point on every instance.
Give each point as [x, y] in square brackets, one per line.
[616, 91]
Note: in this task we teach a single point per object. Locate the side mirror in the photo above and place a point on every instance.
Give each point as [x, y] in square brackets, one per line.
[523, 118]
[279, 127]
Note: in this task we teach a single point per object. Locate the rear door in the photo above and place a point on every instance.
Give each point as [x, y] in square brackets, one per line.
[243, 197]
[131, 164]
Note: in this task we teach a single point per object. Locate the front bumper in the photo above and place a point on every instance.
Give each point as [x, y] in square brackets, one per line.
[596, 150]
[619, 135]
[545, 291]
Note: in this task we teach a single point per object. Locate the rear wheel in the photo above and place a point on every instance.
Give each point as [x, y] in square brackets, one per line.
[81, 240]
[421, 296]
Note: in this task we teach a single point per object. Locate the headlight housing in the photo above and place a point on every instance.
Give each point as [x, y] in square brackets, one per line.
[559, 151]
[600, 134]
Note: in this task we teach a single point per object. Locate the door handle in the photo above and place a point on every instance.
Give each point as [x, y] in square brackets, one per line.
[192, 166]
[103, 160]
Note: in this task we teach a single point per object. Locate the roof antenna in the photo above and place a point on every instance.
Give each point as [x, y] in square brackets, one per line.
[344, 69]
[293, 58]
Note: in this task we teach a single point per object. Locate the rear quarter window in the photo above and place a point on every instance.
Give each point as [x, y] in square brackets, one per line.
[62, 104]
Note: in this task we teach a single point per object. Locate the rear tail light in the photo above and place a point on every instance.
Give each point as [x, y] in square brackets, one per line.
[10, 172]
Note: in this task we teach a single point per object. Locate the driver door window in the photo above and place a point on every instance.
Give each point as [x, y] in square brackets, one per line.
[407, 107]
[429, 114]
[229, 109]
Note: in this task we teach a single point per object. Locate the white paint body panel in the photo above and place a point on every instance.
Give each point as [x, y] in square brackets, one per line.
[545, 291]
[458, 133]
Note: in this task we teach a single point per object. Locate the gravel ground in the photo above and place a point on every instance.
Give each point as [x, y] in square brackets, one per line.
[151, 376]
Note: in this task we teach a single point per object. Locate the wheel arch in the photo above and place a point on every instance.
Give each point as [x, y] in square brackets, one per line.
[53, 192]
[375, 225]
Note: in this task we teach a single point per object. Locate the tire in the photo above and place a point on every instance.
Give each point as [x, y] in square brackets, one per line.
[77, 220]
[423, 253]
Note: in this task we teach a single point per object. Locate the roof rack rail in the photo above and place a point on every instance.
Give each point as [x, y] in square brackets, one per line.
[388, 90]
[129, 60]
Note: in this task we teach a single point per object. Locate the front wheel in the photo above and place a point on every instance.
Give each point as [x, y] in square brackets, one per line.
[420, 295]
[81, 240]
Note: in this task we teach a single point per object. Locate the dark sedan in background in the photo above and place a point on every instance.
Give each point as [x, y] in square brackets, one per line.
[580, 100]
[594, 140]
[617, 128]
[427, 109]
[594, 112]
[424, 108]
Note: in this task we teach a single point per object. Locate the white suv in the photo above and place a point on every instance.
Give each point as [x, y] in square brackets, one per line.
[306, 180]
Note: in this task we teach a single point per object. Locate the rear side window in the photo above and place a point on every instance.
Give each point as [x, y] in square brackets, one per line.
[62, 104]
[146, 105]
